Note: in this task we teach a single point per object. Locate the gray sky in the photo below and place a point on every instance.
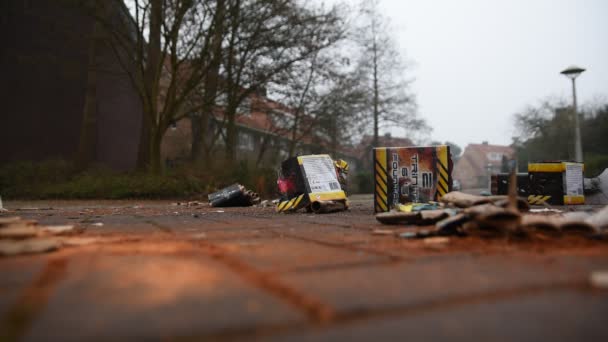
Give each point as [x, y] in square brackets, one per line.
[477, 62]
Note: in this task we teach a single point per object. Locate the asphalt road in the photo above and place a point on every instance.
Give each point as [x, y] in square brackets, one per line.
[157, 270]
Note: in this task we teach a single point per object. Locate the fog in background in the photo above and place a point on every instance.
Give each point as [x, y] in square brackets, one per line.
[477, 62]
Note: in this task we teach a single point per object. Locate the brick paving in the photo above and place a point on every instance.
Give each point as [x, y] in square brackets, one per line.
[155, 270]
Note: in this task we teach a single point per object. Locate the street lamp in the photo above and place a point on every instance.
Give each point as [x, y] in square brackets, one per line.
[572, 72]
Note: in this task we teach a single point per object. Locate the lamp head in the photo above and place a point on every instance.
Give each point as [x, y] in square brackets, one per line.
[572, 71]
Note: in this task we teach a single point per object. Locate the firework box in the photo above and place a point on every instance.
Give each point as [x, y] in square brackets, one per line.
[308, 179]
[556, 183]
[410, 174]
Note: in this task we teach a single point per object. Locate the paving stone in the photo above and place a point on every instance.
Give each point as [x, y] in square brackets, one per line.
[551, 316]
[16, 274]
[426, 281]
[279, 254]
[134, 297]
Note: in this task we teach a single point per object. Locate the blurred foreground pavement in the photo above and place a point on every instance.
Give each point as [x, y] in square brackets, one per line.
[156, 270]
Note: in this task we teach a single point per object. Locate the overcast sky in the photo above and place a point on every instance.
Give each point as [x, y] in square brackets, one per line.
[477, 62]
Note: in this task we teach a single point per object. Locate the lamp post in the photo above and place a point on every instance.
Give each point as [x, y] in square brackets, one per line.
[572, 72]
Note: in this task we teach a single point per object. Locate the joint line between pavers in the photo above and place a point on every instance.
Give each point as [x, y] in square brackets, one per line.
[317, 311]
[350, 247]
[32, 301]
[457, 301]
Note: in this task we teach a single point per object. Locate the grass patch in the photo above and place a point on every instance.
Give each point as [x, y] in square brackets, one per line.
[57, 179]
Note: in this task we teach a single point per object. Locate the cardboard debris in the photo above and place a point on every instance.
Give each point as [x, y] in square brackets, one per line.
[19, 231]
[5, 221]
[492, 216]
[60, 230]
[599, 279]
[464, 200]
[599, 219]
[30, 246]
[383, 232]
[77, 241]
[19, 236]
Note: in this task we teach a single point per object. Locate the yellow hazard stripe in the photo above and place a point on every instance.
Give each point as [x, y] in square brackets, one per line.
[381, 193]
[549, 167]
[298, 200]
[281, 205]
[382, 206]
[444, 186]
[380, 171]
[538, 199]
[381, 157]
[546, 167]
[381, 182]
[574, 199]
[289, 204]
[442, 166]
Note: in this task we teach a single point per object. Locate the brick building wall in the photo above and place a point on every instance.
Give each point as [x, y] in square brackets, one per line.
[43, 63]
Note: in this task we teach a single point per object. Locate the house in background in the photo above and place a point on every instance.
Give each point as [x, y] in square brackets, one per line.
[263, 135]
[478, 162]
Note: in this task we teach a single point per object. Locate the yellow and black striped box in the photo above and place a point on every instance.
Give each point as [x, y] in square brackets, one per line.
[410, 174]
[312, 178]
[556, 183]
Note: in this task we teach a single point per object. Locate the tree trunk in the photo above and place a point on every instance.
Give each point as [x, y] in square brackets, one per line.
[293, 142]
[150, 120]
[231, 137]
[200, 151]
[87, 147]
[155, 166]
[263, 147]
[143, 153]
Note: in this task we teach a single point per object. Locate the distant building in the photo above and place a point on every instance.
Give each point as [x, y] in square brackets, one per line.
[263, 135]
[477, 162]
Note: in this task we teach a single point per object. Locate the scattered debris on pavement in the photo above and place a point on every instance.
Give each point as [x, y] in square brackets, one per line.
[234, 195]
[599, 279]
[189, 204]
[19, 236]
[312, 182]
[2, 209]
[596, 189]
[463, 214]
[16, 247]
[268, 203]
[342, 173]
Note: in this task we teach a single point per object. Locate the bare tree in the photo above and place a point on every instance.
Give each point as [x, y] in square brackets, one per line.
[382, 70]
[164, 46]
[265, 38]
